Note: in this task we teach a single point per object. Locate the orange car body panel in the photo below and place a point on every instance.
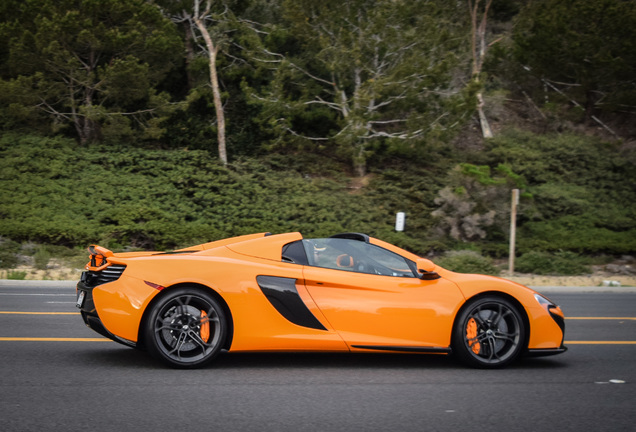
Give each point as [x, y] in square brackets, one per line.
[544, 331]
[120, 306]
[223, 242]
[357, 310]
[267, 248]
[369, 309]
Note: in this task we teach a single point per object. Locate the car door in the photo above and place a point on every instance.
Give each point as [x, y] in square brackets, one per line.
[378, 303]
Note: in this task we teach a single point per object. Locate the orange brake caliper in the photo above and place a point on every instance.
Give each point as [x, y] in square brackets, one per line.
[205, 327]
[471, 335]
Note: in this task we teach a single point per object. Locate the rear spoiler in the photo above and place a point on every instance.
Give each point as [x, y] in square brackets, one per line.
[98, 257]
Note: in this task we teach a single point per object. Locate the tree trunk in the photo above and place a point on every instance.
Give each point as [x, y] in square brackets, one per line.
[214, 82]
[486, 131]
[88, 133]
[360, 161]
[478, 46]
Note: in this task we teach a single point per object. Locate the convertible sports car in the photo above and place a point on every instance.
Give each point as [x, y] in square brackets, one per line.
[348, 292]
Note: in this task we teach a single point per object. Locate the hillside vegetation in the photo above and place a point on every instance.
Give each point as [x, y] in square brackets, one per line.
[120, 126]
[578, 196]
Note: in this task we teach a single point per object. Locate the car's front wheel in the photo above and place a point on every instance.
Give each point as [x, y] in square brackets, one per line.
[489, 333]
[186, 328]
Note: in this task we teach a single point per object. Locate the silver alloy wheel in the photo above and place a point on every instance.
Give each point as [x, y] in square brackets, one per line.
[186, 328]
[489, 333]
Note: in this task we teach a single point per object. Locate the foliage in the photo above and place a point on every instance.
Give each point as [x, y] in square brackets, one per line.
[53, 192]
[585, 48]
[315, 93]
[467, 261]
[163, 199]
[563, 263]
[474, 200]
[41, 258]
[457, 215]
[366, 80]
[581, 195]
[92, 67]
[8, 253]
[370, 74]
[16, 275]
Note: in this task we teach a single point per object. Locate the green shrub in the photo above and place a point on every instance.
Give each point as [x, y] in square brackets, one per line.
[467, 261]
[582, 191]
[41, 258]
[579, 196]
[16, 275]
[8, 259]
[563, 263]
[8, 253]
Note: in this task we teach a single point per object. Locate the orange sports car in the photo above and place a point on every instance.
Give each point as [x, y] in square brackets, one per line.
[348, 292]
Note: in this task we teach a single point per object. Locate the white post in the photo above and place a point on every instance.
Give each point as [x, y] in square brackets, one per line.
[513, 230]
[399, 221]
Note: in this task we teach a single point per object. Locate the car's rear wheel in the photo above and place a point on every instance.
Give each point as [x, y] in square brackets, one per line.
[186, 328]
[489, 333]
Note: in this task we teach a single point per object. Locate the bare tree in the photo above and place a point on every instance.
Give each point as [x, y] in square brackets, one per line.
[199, 17]
[478, 21]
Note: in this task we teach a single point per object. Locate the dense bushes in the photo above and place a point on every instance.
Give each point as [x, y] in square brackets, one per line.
[467, 261]
[57, 193]
[578, 196]
[558, 263]
[8, 253]
[580, 193]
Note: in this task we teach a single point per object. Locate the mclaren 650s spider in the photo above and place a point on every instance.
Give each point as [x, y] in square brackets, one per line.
[349, 292]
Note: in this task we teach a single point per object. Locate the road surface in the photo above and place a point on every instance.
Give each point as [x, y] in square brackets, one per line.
[59, 375]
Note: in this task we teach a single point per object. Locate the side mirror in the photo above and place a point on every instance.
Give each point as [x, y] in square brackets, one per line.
[426, 268]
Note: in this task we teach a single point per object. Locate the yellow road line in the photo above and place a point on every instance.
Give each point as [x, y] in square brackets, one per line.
[40, 339]
[600, 342]
[600, 318]
[38, 313]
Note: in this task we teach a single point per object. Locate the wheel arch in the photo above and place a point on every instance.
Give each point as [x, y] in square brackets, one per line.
[144, 318]
[503, 295]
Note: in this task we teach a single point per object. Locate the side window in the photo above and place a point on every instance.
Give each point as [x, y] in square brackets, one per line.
[294, 253]
[388, 263]
[356, 256]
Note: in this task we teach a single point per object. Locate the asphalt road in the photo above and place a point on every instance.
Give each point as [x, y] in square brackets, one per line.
[57, 374]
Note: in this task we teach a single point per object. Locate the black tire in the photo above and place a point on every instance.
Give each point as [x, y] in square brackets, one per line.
[489, 333]
[186, 328]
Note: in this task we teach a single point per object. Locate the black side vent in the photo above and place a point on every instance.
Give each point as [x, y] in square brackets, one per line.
[109, 274]
[283, 295]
